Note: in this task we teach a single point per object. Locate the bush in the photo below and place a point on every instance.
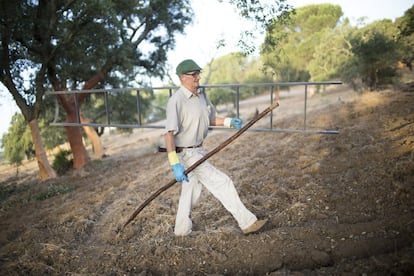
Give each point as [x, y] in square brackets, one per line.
[62, 163]
[53, 190]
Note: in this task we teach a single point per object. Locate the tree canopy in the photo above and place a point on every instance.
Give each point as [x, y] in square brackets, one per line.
[405, 26]
[79, 45]
[296, 40]
[374, 55]
[318, 44]
[17, 141]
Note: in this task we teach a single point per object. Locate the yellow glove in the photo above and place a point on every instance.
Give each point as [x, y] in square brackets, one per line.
[173, 158]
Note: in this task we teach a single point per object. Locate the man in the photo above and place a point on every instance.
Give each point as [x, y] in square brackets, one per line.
[189, 114]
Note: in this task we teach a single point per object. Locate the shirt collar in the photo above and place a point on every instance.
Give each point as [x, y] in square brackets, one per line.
[187, 92]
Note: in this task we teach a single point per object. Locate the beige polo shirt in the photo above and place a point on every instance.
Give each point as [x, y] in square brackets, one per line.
[189, 117]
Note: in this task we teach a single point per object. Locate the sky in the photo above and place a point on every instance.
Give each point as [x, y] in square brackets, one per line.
[214, 21]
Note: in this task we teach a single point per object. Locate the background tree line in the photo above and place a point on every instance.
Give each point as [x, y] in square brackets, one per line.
[69, 45]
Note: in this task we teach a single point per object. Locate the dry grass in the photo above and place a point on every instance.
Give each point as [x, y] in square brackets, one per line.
[337, 204]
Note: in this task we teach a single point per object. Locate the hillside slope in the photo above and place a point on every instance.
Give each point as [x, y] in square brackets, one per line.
[336, 203]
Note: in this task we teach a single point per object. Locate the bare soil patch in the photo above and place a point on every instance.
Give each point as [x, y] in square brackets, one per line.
[337, 204]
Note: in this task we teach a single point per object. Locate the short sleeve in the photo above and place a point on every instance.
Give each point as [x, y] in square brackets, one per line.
[212, 109]
[172, 115]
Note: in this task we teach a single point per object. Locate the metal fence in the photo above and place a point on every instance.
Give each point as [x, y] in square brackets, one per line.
[273, 95]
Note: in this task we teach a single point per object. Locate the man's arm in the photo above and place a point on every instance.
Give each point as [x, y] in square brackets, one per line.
[218, 121]
[169, 141]
[227, 122]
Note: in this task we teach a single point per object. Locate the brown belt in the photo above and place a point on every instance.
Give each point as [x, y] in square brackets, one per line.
[179, 149]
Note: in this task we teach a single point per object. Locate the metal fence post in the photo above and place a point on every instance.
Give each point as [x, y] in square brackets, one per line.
[306, 102]
[106, 99]
[139, 109]
[77, 111]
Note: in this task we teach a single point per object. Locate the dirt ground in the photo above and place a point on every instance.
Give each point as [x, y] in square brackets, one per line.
[336, 203]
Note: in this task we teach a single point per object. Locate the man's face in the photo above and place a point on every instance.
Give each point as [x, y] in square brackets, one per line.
[190, 80]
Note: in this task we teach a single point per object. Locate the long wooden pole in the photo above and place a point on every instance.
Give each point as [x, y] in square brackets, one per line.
[201, 160]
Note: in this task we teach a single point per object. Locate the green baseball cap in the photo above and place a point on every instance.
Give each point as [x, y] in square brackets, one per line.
[186, 66]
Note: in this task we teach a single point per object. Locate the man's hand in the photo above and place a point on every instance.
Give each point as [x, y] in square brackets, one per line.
[233, 122]
[236, 123]
[179, 175]
[178, 169]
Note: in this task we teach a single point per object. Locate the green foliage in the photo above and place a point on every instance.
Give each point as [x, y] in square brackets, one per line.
[6, 191]
[234, 68]
[312, 19]
[221, 95]
[298, 38]
[2, 158]
[405, 26]
[122, 106]
[375, 56]
[62, 163]
[59, 45]
[157, 110]
[17, 141]
[53, 190]
[125, 37]
[316, 45]
[12, 194]
[7, 194]
[51, 136]
[330, 54]
[262, 13]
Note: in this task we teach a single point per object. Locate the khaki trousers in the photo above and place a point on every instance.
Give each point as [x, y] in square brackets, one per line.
[218, 183]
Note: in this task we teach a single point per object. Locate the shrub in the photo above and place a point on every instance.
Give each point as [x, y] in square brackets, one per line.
[62, 163]
[53, 190]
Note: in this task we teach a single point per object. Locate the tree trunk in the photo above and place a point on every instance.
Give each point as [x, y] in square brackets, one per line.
[80, 154]
[93, 136]
[45, 170]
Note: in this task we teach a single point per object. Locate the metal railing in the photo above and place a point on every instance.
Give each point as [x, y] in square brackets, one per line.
[274, 89]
